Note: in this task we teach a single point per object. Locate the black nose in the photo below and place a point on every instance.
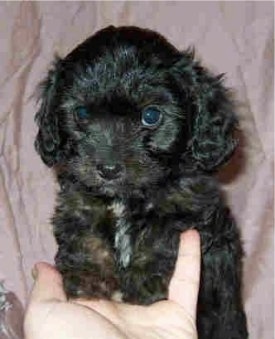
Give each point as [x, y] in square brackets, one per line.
[109, 172]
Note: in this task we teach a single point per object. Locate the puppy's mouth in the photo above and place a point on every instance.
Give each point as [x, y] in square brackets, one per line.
[115, 181]
[118, 178]
[110, 173]
[111, 186]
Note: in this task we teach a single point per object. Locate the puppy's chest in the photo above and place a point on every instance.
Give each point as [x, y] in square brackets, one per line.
[123, 244]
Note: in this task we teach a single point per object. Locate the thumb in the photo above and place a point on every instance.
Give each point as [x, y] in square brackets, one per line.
[48, 284]
[184, 285]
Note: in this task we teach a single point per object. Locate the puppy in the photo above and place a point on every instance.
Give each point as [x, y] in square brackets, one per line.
[134, 130]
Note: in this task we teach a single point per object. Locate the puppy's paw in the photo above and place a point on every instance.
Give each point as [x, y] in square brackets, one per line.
[84, 284]
[145, 289]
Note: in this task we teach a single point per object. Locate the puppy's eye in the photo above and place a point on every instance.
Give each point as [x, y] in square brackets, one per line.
[82, 113]
[151, 116]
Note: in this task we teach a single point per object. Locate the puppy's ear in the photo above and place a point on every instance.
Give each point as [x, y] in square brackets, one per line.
[210, 114]
[47, 142]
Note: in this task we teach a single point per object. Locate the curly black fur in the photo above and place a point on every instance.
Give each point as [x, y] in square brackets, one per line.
[128, 190]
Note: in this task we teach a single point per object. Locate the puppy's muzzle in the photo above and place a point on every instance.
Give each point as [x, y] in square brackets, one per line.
[110, 172]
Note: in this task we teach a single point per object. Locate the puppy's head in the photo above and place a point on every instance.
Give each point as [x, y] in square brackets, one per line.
[126, 108]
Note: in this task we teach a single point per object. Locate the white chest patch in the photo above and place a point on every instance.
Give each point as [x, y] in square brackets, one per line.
[117, 208]
[122, 238]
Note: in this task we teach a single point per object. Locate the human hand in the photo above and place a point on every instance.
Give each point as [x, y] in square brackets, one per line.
[51, 315]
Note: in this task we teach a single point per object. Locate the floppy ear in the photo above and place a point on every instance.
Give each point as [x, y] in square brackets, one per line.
[210, 114]
[48, 143]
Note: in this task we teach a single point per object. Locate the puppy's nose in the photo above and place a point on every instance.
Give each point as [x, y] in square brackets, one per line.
[109, 172]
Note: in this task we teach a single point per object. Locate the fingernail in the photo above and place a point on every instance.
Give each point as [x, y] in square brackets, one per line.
[190, 234]
[34, 272]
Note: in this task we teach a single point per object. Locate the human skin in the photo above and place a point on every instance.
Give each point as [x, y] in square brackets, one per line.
[51, 315]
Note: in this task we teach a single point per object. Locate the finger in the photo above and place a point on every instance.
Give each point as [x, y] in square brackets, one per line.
[184, 285]
[48, 284]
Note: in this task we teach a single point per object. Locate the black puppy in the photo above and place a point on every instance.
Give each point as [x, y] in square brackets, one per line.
[135, 129]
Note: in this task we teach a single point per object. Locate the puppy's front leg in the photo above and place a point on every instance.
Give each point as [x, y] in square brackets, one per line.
[146, 279]
[84, 258]
[220, 312]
